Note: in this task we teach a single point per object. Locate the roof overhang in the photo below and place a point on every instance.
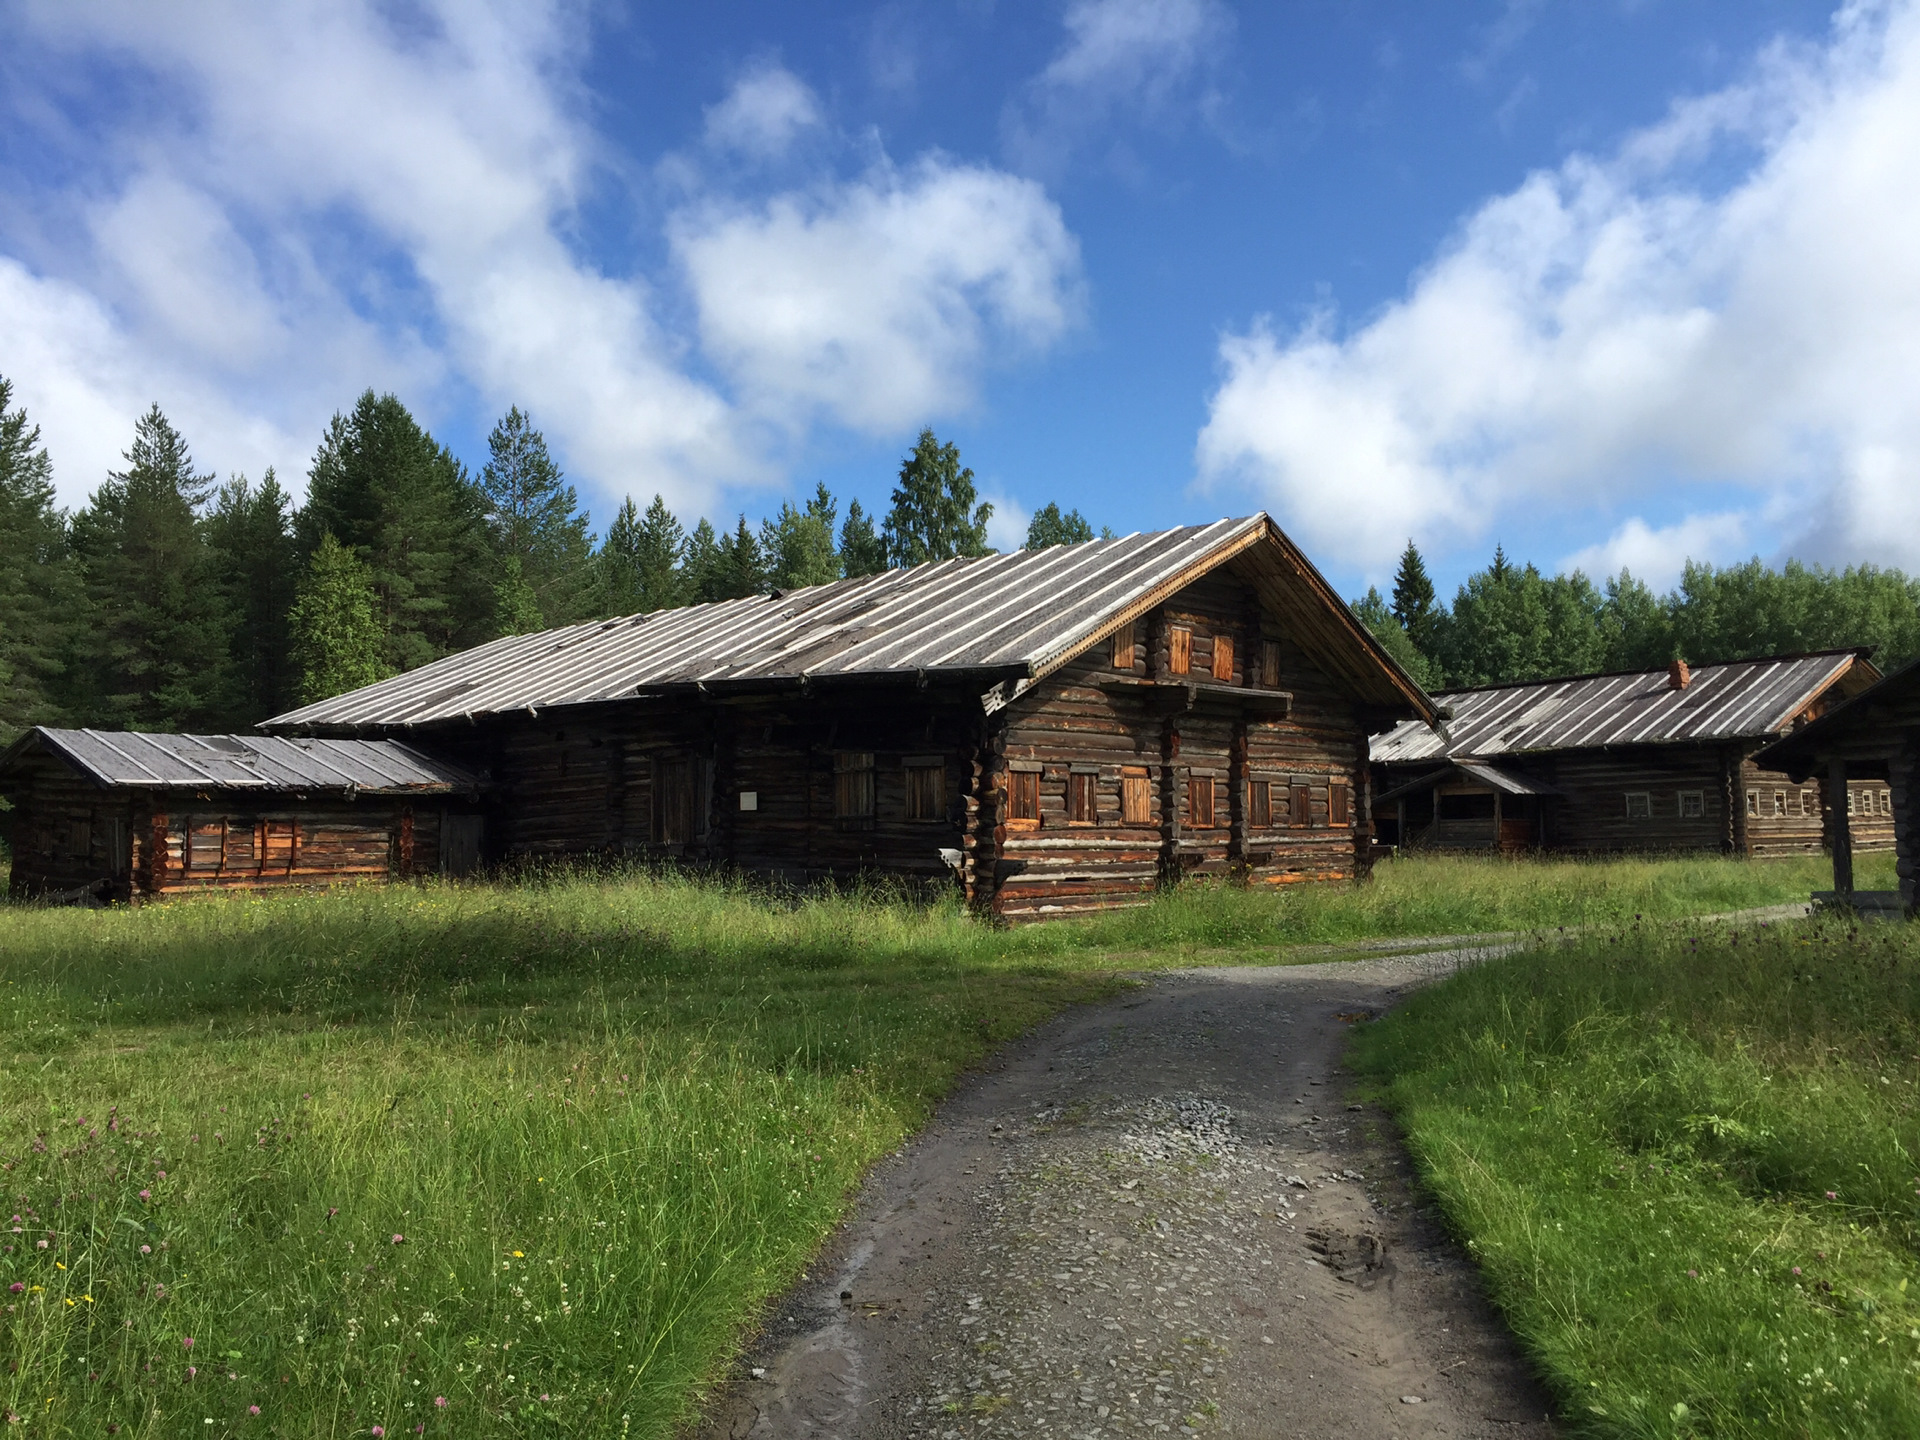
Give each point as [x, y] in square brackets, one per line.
[1473, 772]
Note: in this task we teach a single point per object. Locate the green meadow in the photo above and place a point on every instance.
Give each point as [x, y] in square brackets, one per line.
[530, 1157]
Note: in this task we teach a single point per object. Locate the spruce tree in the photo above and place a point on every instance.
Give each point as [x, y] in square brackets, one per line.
[862, 551]
[516, 609]
[1372, 612]
[737, 570]
[699, 575]
[387, 491]
[797, 546]
[254, 561]
[1413, 598]
[534, 518]
[338, 640]
[639, 564]
[934, 516]
[39, 589]
[154, 648]
[1050, 527]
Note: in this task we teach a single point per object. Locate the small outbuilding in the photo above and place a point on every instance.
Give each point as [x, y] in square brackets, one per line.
[109, 815]
[1873, 740]
[1648, 760]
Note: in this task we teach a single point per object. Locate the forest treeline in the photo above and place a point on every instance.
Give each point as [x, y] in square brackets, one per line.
[1510, 623]
[173, 601]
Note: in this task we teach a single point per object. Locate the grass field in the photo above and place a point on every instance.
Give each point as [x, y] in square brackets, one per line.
[1688, 1163]
[522, 1158]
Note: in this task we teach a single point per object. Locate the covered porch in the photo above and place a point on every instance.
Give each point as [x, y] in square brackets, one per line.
[1468, 805]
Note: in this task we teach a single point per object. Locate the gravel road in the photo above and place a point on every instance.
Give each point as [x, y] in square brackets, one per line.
[1158, 1216]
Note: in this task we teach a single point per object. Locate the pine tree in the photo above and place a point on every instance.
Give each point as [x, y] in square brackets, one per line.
[700, 570]
[738, 570]
[154, 648]
[639, 561]
[934, 516]
[338, 641]
[797, 547]
[384, 489]
[862, 551]
[534, 517]
[1050, 527]
[39, 589]
[255, 563]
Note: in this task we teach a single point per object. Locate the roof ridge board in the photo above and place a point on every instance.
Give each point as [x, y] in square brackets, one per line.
[1856, 650]
[1068, 563]
[1131, 579]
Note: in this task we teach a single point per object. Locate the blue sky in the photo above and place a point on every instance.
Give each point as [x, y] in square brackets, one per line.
[1615, 282]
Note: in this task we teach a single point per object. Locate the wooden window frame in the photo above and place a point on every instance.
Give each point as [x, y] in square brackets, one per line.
[1850, 802]
[1753, 803]
[1223, 658]
[1779, 805]
[195, 825]
[926, 798]
[1645, 799]
[1123, 647]
[1083, 798]
[1339, 805]
[1886, 802]
[854, 800]
[1696, 798]
[1202, 795]
[1023, 799]
[1136, 795]
[1809, 803]
[1299, 806]
[1270, 664]
[1260, 804]
[1179, 649]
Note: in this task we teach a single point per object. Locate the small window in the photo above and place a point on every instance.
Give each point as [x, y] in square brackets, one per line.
[206, 846]
[749, 800]
[1180, 649]
[673, 802]
[1693, 804]
[1849, 804]
[1639, 805]
[1200, 802]
[1299, 806]
[276, 847]
[926, 792]
[1753, 802]
[1780, 804]
[1023, 795]
[1223, 658]
[1123, 647]
[1339, 805]
[1809, 803]
[853, 785]
[1136, 797]
[1270, 664]
[1083, 805]
[1886, 802]
[1467, 805]
[1260, 804]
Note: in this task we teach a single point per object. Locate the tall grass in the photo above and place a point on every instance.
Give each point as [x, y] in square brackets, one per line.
[1688, 1161]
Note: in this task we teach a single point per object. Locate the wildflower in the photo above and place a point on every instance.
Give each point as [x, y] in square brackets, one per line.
[186, 1342]
[399, 1239]
[253, 1409]
[439, 1402]
[146, 1194]
[1796, 1269]
[379, 1430]
[332, 1210]
[192, 1370]
[1693, 1274]
[16, 1287]
[146, 1249]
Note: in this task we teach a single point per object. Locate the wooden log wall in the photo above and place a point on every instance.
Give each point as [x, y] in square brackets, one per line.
[1784, 818]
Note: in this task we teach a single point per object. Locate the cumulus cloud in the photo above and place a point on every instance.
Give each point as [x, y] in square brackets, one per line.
[879, 302]
[327, 194]
[763, 112]
[1627, 323]
[1658, 555]
[1148, 56]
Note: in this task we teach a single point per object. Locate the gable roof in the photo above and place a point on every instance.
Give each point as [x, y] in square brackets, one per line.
[1001, 621]
[1743, 699]
[242, 762]
[1873, 725]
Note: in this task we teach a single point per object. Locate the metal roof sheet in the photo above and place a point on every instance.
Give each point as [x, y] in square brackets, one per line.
[1475, 770]
[1009, 617]
[1743, 699]
[245, 762]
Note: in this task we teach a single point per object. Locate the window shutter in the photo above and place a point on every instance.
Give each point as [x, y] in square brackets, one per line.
[1083, 806]
[1223, 658]
[1023, 795]
[1260, 803]
[926, 792]
[1299, 806]
[1270, 664]
[1136, 797]
[1123, 647]
[1339, 805]
[853, 785]
[1200, 802]
[1179, 649]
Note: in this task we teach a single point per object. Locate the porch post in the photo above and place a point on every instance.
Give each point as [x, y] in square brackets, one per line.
[1839, 831]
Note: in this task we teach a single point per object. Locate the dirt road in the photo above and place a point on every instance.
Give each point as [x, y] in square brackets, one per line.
[1158, 1216]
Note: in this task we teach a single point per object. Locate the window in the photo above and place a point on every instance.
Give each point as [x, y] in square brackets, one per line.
[1260, 803]
[1180, 649]
[1023, 796]
[673, 802]
[1886, 802]
[1639, 805]
[926, 789]
[1123, 647]
[1849, 803]
[1200, 801]
[206, 846]
[276, 847]
[1223, 658]
[1693, 804]
[1339, 805]
[749, 800]
[1809, 803]
[1083, 805]
[1136, 798]
[1753, 802]
[1270, 664]
[1299, 805]
[1779, 803]
[1467, 805]
[853, 785]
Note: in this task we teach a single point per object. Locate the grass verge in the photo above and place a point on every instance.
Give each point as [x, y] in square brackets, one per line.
[1685, 1160]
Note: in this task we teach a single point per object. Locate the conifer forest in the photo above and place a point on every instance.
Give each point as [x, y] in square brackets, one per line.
[174, 600]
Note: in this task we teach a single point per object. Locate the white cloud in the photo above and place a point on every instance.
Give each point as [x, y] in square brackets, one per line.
[1007, 525]
[763, 112]
[878, 302]
[1617, 326]
[318, 196]
[1142, 57]
[1657, 556]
